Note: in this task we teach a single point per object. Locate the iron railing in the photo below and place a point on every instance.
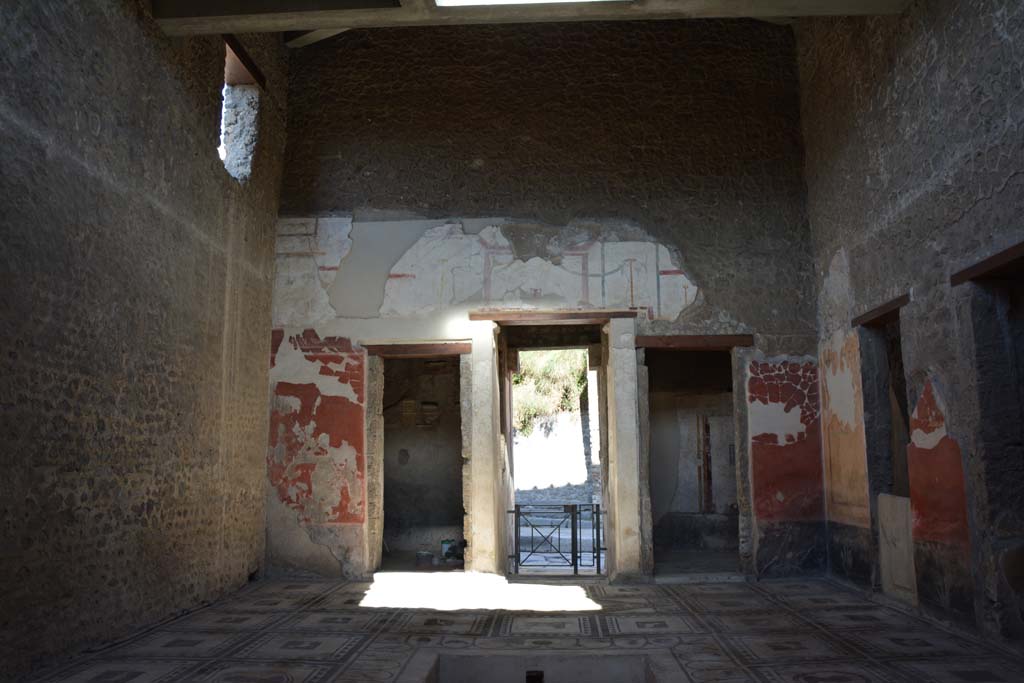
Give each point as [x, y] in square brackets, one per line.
[557, 536]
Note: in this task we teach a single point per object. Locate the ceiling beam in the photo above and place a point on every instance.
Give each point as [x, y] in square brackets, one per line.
[695, 342]
[294, 39]
[193, 17]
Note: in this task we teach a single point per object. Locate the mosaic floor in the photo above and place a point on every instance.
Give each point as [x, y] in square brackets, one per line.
[696, 561]
[801, 631]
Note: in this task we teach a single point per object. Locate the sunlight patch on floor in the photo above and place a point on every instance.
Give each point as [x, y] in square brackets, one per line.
[472, 591]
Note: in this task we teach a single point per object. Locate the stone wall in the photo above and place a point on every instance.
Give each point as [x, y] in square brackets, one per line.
[316, 460]
[137, 283]
[784, 426]
[644, 164]
[577, 135]
[914, 128]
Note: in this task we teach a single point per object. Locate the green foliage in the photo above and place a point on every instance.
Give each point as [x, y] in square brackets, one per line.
[548, 383]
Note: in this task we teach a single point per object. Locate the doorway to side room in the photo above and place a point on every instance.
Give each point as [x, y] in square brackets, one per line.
[694, 512]
[423, 463]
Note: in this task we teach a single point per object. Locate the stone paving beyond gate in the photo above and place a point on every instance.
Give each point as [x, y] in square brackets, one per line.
[301, 631]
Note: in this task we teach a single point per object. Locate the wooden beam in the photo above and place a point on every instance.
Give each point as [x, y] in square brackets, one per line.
[421, 350]
[296, 39]
[995, 266]
[193, 17]
[523, 336]
[239, 63]
[881, 314]
[519, 317]
[695, 342]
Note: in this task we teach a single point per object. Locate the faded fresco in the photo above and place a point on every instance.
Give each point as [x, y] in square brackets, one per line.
[316, 459]
[785, 446]
[844, 442]
[938, 502]
[447, 267]
[308, 256]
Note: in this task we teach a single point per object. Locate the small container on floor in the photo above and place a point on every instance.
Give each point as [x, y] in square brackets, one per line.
[424, 559]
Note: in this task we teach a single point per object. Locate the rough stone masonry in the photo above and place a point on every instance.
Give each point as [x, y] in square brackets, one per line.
[192, 390]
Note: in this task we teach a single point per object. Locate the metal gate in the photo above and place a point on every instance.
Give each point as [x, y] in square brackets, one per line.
[552, 536]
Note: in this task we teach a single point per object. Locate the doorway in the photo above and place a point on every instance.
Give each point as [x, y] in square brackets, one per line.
[553, 416]
[422, 445]
[694, 511]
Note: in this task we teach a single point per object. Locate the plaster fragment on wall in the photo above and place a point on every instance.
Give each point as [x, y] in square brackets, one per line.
[447, 267]
[309, 254]
[316, 458]
[331, 365]
[938, 499]
[775, 420]
[785, 454]
[842, 389]
[928, 421]
[845, 441]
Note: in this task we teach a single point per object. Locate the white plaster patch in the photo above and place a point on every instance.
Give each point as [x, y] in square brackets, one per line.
[928, 440]
[834, 300]
[839, 383]
[773, 418]
[309, 252]
[329, 477]
[291, 365]
[447, 267]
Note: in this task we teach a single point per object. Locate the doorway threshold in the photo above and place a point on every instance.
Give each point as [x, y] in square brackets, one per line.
[701, 577]
[571, 579]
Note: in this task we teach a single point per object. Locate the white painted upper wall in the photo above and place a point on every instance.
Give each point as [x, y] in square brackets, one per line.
[334, 268]
[447, 267]
[308, 255]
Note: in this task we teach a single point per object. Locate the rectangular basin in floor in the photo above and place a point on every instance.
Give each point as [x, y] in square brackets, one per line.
[528, 668]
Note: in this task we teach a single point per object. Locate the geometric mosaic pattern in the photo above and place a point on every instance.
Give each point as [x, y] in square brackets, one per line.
[788, 631]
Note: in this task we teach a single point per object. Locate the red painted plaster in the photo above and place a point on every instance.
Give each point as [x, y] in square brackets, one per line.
[276, 337]
[309, 430]
[787, 477]
[938, 500]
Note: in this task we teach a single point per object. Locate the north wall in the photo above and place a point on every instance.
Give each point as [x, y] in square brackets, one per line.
[437, 170]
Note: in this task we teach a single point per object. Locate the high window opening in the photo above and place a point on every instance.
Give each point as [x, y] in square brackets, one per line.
[555, 426]
[239, 111]
[694, 511]
[423, 504]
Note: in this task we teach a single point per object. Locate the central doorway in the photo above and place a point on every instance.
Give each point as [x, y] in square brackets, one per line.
[553, 418]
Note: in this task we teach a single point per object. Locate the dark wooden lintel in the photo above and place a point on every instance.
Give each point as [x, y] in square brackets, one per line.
[194, 17]
[297, 39]
[695, 342]
[579, 317]
[994, 266]
[238, 49]
[424, 350]
[882, 314]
